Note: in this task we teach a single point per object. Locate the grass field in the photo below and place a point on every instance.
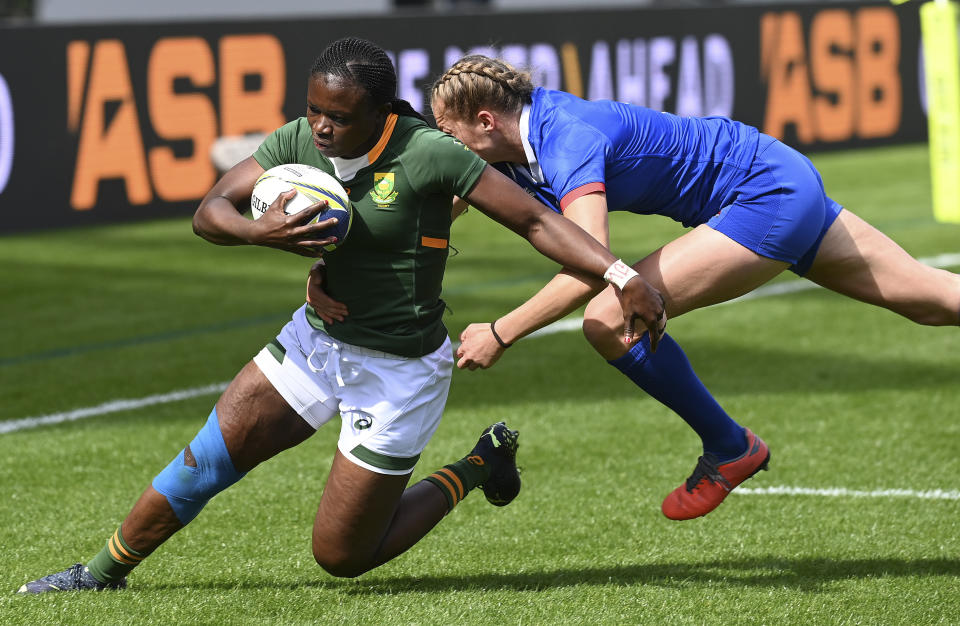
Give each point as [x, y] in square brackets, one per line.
[848, 397]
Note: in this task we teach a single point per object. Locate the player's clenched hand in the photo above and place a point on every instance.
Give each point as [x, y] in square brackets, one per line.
[326, 307]
[478, 348]
[641, 301]
[293, 233]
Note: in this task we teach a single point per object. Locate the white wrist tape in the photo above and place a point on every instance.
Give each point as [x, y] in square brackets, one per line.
[619, 273]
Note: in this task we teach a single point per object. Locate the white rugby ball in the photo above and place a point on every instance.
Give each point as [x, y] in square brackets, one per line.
[312, 185]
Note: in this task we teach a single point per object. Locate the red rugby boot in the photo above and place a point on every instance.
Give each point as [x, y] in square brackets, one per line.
[710, 483]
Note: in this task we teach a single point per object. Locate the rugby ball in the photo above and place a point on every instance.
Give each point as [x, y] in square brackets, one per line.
[312, 185]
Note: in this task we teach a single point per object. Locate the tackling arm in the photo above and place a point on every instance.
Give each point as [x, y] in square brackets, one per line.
[568, 290]
[554, 237]
[565, 242]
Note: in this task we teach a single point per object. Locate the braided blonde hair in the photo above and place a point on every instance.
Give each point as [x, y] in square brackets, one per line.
[476, 82]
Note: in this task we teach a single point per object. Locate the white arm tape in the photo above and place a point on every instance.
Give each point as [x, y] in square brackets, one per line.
[619, 273]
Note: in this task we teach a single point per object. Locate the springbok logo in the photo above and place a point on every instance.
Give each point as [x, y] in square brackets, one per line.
[383, 193]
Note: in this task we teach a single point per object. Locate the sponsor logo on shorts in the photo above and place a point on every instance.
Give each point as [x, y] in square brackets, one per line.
[363, 422]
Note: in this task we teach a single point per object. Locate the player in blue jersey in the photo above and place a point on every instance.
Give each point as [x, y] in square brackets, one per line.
[757, 207]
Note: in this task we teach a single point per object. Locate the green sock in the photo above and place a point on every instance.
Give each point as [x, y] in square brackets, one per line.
[115, 560]
[457, 479]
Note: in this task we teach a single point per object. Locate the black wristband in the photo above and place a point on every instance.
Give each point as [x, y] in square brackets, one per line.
[502, 343]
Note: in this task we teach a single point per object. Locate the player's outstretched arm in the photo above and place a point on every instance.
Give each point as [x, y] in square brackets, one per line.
[566, 292]
[219, 219]
[568, 244]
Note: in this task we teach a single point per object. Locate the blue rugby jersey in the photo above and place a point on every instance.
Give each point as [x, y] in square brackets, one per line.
[647, 162]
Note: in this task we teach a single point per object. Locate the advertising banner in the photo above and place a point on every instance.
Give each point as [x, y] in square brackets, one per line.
[105, 123]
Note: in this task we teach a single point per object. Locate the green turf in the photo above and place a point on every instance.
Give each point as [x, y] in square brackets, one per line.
[847, 396]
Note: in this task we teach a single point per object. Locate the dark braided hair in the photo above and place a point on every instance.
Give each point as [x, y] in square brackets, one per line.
[365, 64]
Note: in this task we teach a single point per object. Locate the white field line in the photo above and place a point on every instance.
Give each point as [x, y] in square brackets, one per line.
[109, 407]
[841, 492]
[942, 260]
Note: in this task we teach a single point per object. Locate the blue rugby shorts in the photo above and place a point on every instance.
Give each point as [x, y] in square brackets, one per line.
[779, 210]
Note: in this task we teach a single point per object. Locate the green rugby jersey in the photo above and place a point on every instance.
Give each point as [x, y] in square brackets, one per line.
[389, 269]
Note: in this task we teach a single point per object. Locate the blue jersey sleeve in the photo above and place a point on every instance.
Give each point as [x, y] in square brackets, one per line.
[574, 161]
[521, 175]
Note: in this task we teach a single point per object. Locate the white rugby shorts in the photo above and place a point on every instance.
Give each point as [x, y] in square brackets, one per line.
[389, 405]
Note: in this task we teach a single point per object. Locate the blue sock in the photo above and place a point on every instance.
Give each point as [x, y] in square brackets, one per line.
[667, 376]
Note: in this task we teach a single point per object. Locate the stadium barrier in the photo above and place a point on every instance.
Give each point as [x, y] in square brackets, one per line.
[117, 122]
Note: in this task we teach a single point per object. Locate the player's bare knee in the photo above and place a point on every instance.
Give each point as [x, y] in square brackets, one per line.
[933, 311]
[932, 315]
[602, 324]
[340, 565]
[938, 304]
[596, 332]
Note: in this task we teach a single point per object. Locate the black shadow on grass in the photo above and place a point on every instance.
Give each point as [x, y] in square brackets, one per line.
[773, 571]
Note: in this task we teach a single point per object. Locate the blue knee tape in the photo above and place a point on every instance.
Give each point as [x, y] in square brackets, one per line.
[188, 489]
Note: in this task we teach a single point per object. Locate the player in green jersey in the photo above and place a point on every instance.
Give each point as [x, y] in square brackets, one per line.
[386, 368]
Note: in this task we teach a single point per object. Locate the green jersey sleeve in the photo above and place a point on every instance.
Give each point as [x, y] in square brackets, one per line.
[281, 146]
[442, 164]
